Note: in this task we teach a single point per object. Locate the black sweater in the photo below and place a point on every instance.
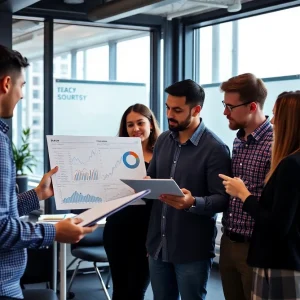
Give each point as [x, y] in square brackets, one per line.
[275, 242]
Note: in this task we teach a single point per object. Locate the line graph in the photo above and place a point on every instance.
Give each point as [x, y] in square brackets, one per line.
[78, 161]
[112, 171]
[79, 198]
[114, 191]
[86, 175]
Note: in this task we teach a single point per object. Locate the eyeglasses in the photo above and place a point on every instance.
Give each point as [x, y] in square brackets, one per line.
[231, 107]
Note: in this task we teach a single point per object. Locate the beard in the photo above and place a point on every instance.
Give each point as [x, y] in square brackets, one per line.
[6, 117]
[233, 125]
[7, 107]
[182, 125]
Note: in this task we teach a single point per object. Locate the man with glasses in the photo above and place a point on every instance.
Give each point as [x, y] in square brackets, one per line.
[244, 98]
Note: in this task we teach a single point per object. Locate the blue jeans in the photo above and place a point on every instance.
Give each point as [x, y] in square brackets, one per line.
[168, 280]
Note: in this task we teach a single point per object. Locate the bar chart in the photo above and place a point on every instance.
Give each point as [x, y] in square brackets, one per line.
[79, 198]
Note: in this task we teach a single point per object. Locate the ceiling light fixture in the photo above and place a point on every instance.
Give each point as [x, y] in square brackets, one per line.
[236, 6]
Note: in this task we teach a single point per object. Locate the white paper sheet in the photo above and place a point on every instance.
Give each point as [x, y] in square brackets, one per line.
[90, 169]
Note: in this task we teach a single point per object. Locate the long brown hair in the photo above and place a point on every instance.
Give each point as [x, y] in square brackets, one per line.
[286, 128]
[146, 112]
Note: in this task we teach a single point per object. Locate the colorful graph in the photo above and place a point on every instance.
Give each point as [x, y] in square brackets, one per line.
[127, 164]
[78, 198]
[78, 161]
[86, 175]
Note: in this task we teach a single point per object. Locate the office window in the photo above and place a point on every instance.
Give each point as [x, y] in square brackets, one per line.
[36, 94]
[36, 134]
[36, 80]
[133, 60]
[64, 69]
[64, 57]
[62, 66]
[35, 147]
[28, 40]
[36, 107]
[97, 63]
[80, 65]
[205, 54]
[250, 45]
[36, 121]
[274, 49]
[37, 67]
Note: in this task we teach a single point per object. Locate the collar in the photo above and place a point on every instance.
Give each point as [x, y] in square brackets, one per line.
[195, 138]
[3, 127]
[259, 132]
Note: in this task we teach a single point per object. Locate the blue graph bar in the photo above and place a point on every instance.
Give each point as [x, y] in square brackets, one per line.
[79, 198]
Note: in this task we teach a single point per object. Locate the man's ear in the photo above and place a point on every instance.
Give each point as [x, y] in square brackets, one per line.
[5, 84]
[197, 110]
[253, 106]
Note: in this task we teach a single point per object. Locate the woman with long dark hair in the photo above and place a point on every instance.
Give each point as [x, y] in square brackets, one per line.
[125, 231]
[274, 251]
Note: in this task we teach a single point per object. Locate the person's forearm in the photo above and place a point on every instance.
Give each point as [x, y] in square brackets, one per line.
[16, 234]
[27, 202]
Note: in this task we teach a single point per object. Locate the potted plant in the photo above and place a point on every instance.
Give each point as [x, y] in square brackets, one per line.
[24, 160]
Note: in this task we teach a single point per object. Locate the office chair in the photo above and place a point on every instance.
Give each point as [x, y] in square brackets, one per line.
[90, 249]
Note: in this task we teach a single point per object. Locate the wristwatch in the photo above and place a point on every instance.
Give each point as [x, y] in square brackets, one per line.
[191, 207]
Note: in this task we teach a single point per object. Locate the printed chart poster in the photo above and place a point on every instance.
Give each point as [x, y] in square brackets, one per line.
[90, 169]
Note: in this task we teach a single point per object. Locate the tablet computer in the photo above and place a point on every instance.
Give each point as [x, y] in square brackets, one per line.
[157, 187]
[105, 209]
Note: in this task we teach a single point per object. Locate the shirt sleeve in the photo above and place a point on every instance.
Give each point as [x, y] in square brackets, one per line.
[14, 233]
[219, 163]
[27, 202]
[285, 194]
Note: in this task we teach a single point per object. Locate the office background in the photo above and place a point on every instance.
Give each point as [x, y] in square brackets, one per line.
[167, 41]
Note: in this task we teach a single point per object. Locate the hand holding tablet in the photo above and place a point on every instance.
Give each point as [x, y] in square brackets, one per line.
[158, 187]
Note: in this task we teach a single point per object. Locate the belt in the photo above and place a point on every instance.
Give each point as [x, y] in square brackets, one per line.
[238, 238]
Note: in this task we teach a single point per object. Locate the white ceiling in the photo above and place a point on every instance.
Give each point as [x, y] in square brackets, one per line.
[181, 5]
[28, 35]
[66, 37]
[201, 6]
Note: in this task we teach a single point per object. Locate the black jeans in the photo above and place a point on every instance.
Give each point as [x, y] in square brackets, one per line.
[127, 256]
